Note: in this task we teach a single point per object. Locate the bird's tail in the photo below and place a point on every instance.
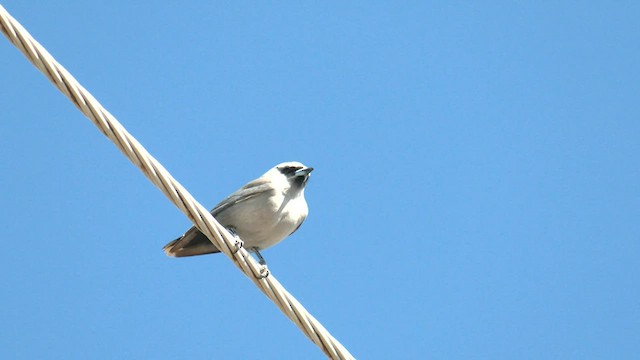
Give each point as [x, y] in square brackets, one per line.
[193, 242]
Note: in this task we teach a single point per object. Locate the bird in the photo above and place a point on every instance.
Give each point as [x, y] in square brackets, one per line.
[261, 213]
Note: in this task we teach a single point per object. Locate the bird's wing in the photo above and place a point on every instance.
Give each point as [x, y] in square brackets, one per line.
[193, 242]
[252, 189]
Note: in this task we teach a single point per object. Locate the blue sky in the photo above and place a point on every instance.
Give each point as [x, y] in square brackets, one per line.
[476, 192]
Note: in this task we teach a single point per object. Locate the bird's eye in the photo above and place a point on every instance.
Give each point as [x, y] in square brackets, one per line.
[289, 170]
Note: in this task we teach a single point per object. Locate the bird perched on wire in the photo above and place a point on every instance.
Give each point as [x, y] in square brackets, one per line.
[262, 213]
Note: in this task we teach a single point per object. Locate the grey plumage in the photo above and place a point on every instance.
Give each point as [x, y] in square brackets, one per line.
[262, 213]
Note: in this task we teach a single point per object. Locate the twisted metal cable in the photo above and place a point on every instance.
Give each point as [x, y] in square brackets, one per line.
[178, 195]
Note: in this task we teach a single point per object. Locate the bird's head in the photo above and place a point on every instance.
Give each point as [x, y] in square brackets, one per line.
[295, 173]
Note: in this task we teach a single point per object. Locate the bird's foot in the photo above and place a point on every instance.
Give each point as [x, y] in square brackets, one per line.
[237, 242]
[264, 272]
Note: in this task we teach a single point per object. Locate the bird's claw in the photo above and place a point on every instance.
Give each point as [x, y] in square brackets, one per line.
[264, 272]
[237, 242]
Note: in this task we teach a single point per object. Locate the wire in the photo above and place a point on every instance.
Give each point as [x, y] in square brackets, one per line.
[176, 193]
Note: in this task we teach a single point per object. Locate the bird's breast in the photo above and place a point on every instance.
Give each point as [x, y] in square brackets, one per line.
[262, 222]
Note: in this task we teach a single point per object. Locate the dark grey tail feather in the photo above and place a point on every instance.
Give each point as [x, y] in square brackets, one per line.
[192, 243]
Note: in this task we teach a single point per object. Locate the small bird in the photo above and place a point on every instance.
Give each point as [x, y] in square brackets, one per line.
[262, 213]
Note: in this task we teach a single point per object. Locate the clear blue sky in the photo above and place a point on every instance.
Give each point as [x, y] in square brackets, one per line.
[476, 193]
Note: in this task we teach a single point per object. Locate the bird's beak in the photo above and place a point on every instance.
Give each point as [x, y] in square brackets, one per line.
[304, 171]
